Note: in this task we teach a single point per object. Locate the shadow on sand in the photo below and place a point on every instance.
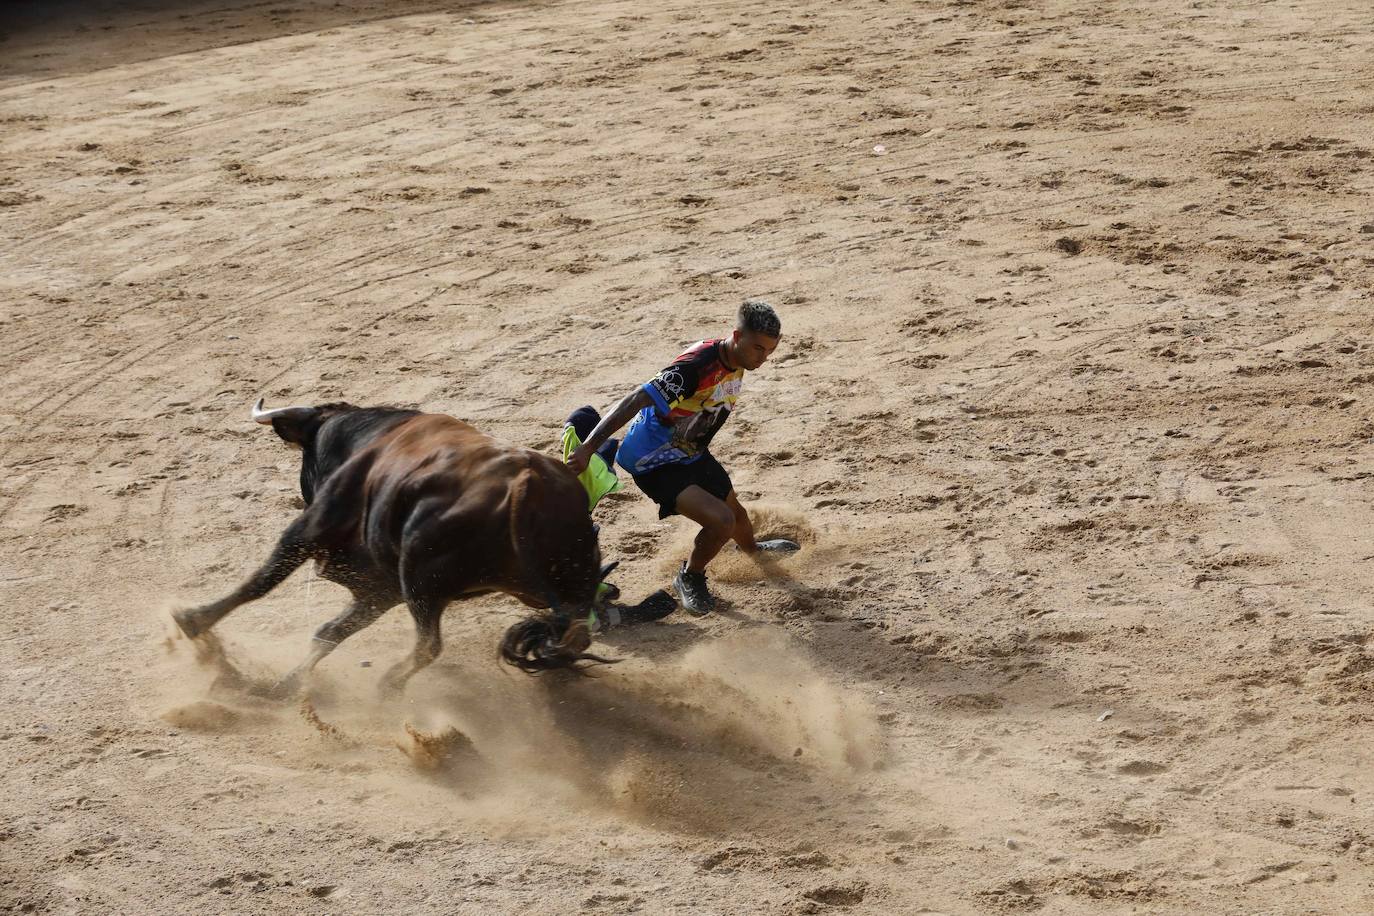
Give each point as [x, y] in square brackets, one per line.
[44, 40]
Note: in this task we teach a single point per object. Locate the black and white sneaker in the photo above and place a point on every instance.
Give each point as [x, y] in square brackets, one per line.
[692, 593]
[778, 545]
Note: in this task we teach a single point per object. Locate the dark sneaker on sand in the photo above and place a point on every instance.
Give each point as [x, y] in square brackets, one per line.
[779, 545]
[692, 592]
[610, 614]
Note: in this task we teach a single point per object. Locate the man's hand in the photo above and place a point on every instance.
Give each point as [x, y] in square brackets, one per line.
[621, 414]
[580, 458]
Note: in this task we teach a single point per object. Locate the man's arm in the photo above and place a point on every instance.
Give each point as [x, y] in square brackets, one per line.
[610, 424]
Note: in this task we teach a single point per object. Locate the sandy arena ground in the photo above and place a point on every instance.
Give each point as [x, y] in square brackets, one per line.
[1071, 412]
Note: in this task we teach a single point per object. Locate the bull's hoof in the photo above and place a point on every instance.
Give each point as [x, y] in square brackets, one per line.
[284, 690]
[204, 643]
[188, 622]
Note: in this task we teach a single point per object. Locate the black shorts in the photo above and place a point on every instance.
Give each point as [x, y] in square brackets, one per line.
[664, 484]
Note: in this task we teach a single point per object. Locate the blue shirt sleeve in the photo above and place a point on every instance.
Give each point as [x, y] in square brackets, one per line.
[660, 402]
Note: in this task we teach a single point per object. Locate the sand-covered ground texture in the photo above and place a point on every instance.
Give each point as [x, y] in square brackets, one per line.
[1071, 415]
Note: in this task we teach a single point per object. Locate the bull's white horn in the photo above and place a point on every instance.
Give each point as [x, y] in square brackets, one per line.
[265, 416]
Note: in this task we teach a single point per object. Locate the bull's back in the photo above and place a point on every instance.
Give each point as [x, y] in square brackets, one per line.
[439, 448]
[489, 515]
[440, 464]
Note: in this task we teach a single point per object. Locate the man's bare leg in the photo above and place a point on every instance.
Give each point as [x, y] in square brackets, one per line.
[717, 520]
[743, 532]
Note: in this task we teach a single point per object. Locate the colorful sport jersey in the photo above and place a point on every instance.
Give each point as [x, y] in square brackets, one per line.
[692, 399]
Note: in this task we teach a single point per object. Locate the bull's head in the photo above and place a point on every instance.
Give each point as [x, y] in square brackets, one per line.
[300, 427]
[296, 425]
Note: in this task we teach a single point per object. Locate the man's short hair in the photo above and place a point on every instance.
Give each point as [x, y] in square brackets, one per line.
[758, 316]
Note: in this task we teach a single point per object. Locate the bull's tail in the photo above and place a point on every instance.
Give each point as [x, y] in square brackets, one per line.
[551, 639]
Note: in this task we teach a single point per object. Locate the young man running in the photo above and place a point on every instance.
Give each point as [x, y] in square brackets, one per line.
[676, 414]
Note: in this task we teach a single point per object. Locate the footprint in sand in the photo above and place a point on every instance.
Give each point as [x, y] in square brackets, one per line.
[1142, 768]
[841, 895]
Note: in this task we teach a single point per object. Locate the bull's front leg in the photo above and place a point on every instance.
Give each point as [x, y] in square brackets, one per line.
[291, 551]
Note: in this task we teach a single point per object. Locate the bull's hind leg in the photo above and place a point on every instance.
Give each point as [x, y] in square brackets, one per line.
[428, 644]
[362, 613]
[291, 551]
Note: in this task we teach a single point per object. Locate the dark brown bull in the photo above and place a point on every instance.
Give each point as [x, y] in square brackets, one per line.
[419, 508]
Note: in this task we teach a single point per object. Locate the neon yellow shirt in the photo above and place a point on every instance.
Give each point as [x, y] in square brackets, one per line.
[597, 479]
